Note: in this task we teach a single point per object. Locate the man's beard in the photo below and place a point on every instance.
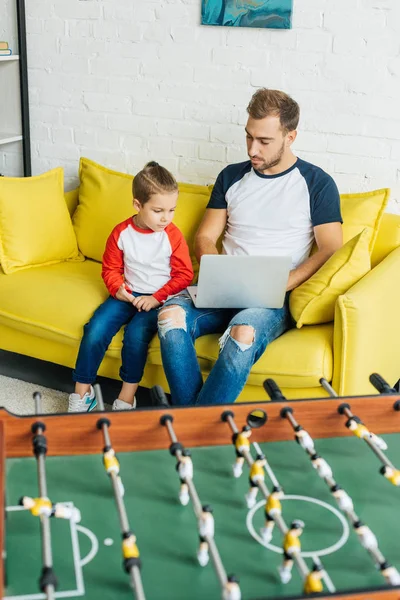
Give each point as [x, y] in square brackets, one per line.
[274, 161]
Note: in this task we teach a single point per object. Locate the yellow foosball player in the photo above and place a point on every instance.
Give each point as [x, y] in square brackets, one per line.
[291, 546]
[272, 508]
[130, 551]
[256, 475]
[44, 507]
[111, 465]
[313, 582]
[242, 443]
[361, 431]
[393, 475]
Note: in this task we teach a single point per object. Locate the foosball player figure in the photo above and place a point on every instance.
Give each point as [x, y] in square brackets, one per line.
[361, 431]
[390, 573]
[344, 501]
[232, 590]
[256, 475]
[111, 465]
[313, 582]
[393, 475]
[241, 442]
[272, 508]
[321, 466]
[206, 529]
[304, 438]
[367, 538]
[291, 546]
[130, 551]
[43, 506]
[184, 466]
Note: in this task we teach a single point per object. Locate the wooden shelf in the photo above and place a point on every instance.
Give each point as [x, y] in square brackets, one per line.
[9, 138]
[9, 58]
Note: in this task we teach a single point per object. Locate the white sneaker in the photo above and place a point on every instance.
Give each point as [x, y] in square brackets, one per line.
[237, 470]
[285, 574]
[250, 501]
[85, 404]
[266, 534]
[203, 557]
[184, 498]
[122, 405]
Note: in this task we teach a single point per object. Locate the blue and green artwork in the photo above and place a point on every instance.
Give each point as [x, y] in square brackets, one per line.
[276, 14]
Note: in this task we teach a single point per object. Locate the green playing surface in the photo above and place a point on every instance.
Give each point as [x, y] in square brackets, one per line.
[167, 532]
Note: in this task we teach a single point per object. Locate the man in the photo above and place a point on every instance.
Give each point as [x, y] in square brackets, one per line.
[275, 203]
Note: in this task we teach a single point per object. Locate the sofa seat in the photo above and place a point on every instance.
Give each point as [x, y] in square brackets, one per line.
[297, 359]
[52, 302]
[59, 299]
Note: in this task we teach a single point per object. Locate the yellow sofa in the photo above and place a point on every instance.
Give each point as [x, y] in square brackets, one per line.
[43, 310]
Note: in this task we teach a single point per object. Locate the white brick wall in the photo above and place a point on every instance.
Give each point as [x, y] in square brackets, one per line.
[124, 82]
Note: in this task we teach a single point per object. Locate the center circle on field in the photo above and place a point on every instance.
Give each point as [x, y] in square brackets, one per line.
[324, 551]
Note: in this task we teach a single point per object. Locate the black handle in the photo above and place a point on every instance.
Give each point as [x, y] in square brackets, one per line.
[273, 390]
[381, 385]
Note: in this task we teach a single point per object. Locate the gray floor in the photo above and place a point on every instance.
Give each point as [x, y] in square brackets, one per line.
[54, 376]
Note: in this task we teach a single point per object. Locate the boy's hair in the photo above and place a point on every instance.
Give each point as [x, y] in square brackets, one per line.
[152, 179]
[265, 103]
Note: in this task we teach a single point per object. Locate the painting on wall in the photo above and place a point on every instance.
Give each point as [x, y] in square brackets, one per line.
[276, 14]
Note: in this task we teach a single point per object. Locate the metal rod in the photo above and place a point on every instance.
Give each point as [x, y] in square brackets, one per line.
[297, 558]
[198, 509]
[328, 388]
[134, 571]
[47, 554]
[375, 553]
[377, 451]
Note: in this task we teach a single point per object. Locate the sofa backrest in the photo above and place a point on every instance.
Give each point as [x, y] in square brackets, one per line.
[388, 238]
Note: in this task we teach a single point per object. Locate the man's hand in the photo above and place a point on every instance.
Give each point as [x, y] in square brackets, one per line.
[145, 303]
[123, 295]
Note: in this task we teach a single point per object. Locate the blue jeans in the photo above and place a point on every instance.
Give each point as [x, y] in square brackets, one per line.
[231, 370]
[100, 330]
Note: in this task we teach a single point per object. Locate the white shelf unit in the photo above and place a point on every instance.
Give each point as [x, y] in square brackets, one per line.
[9, 58]
[11, 136]
[15, 154]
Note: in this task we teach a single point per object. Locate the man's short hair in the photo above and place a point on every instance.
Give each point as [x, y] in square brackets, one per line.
[266, 103]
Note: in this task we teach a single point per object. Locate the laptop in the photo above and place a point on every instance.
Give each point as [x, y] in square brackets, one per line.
[241, 281]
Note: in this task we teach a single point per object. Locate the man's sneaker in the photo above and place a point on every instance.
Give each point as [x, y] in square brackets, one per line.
[85, 404]
[122, 405]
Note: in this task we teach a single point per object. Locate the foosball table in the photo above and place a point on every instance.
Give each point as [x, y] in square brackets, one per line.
[191, 526]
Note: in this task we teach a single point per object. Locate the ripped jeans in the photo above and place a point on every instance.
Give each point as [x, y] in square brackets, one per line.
[230, 372]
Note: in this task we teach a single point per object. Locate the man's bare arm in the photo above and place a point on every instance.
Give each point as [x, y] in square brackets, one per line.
[329, 238]
[211, 227]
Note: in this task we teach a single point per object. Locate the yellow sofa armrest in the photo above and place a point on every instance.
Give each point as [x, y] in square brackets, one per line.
[367, 330]
[71, 198]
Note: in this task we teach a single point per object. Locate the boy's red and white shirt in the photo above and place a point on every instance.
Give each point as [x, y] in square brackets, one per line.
[147, 261]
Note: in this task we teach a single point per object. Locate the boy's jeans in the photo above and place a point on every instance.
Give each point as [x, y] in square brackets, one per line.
[229, 374]
[98, 333]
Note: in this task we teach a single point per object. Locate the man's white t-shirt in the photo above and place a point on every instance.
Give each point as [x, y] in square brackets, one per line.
[271, 215]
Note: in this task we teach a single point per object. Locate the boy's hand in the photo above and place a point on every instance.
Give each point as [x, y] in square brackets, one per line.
[123, 295]
[145, 303]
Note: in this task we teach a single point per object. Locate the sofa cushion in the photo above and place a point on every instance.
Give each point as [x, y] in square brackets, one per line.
[52, 302]
[363, 210]
[313, 302]
[297, 359]
[105, 199]
[35, 226]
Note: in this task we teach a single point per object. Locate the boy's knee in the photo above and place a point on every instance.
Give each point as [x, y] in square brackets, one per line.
[171, 317]
[244, 334]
